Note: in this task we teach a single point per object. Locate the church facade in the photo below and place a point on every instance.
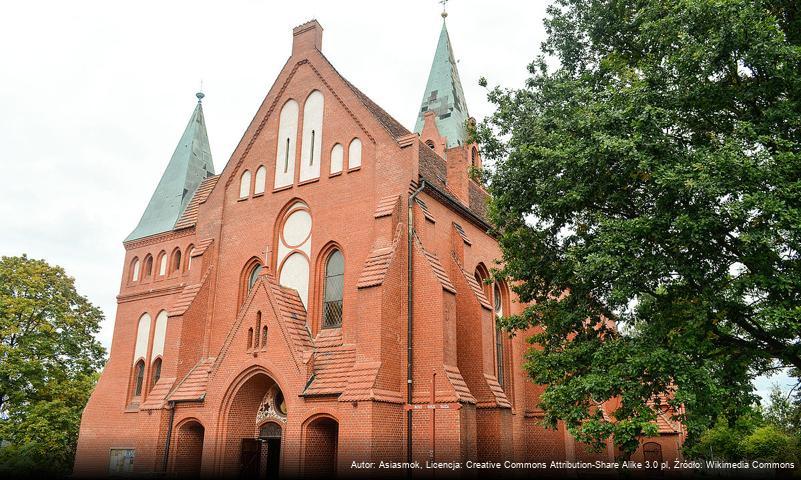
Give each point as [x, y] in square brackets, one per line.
[322, 300]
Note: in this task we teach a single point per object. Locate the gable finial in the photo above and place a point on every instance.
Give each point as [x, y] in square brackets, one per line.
[444, 8]
[200, 93]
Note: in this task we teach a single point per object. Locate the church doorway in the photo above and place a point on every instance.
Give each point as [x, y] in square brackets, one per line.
[255, 421]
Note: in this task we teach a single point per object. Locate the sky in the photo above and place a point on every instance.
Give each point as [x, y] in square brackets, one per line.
[94, 96]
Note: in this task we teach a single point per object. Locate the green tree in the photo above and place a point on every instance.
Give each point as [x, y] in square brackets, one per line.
[653, 178]
[49, 360]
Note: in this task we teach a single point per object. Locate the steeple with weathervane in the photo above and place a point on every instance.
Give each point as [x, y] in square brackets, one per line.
[190, 164]
[443, 94]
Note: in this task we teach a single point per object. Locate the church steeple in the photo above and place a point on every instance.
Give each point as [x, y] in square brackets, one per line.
[190, 164]
[444, 95]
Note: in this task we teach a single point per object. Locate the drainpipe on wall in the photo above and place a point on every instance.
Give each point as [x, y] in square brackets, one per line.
[171, 404]
[410, 244]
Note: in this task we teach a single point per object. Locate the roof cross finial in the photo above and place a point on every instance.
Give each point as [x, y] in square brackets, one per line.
[444, 8]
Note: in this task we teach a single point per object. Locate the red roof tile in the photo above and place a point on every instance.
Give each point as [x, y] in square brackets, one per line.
[439, 271]
[156, 399]
[189, 217]
[193, 385]
[377, 263]
[500, 397]
[386, 206]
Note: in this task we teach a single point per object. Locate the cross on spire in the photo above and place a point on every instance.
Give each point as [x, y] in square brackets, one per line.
[444, 8]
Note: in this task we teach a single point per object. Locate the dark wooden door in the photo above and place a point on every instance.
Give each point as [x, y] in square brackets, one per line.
[250, 458]
[273, 457]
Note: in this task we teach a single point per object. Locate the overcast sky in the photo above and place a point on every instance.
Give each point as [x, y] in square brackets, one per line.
[94, 96]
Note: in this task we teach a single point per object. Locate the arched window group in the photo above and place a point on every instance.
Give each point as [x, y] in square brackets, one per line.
[165, 265]
[497, 294]
[148, 350]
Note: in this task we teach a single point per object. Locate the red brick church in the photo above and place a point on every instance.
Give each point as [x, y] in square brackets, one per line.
[321, 300]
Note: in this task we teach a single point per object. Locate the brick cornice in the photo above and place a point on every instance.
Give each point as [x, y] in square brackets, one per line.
[159, 238]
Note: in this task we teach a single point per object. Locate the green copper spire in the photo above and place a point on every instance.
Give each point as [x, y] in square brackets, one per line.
[189, 165]
[444, 95]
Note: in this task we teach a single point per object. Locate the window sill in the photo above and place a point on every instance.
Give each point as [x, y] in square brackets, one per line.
[311, 180]
[260, 194]
[280, 189]
[335, 174]
[242, 199]
[354, 169]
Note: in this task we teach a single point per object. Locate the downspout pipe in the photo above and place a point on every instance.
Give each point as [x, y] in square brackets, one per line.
[409, 293]
[172, 403]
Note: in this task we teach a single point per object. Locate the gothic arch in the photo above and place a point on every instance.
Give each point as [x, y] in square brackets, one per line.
[245, 277]
[319, 445]
[315, 310]
[187, 449]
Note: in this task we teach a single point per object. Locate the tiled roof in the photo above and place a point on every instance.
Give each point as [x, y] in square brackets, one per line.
[201, 247]
[361, 385]
[478, 200]
[500, 397]
[293, 313]
[189, 217]
[432, 167]
[156, 399]
[434, 170]
[462, 233]
[332, 368]
[377, 263]
[476, 288]
[193, 386]
[455, 378]
[184, 300]
[394, 127]
[426, 211]
[386, 205]
[436, 266]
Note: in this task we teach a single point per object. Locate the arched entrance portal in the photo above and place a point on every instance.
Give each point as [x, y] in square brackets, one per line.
[320, 452]
[254, 429]
[188, 449]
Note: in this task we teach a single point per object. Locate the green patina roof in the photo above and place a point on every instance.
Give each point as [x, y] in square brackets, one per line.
[444, 95]
[190, 164]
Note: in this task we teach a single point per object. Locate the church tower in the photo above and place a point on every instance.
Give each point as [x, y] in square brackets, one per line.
[190, 164]
[443, 118]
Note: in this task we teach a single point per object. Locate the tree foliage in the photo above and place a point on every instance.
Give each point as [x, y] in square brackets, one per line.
[653, 178]
[49, 360]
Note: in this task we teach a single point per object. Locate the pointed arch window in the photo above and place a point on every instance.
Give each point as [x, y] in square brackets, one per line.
[254, 275]
[156, 369]
[333, 289]
[139, 377]
[189, 253]
[162, 263]
[148, 266]
[135, 270]
[176, 261]
[498, 307]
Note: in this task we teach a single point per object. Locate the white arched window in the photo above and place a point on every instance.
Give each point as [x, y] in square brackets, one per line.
[163, 263]
[261, 180]
[135, 270]
[244, 184]
[287, 140]
[337, 158]
[355, 153]
[189, 258]
[142, 334]
[312, 136]
[159, 335]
